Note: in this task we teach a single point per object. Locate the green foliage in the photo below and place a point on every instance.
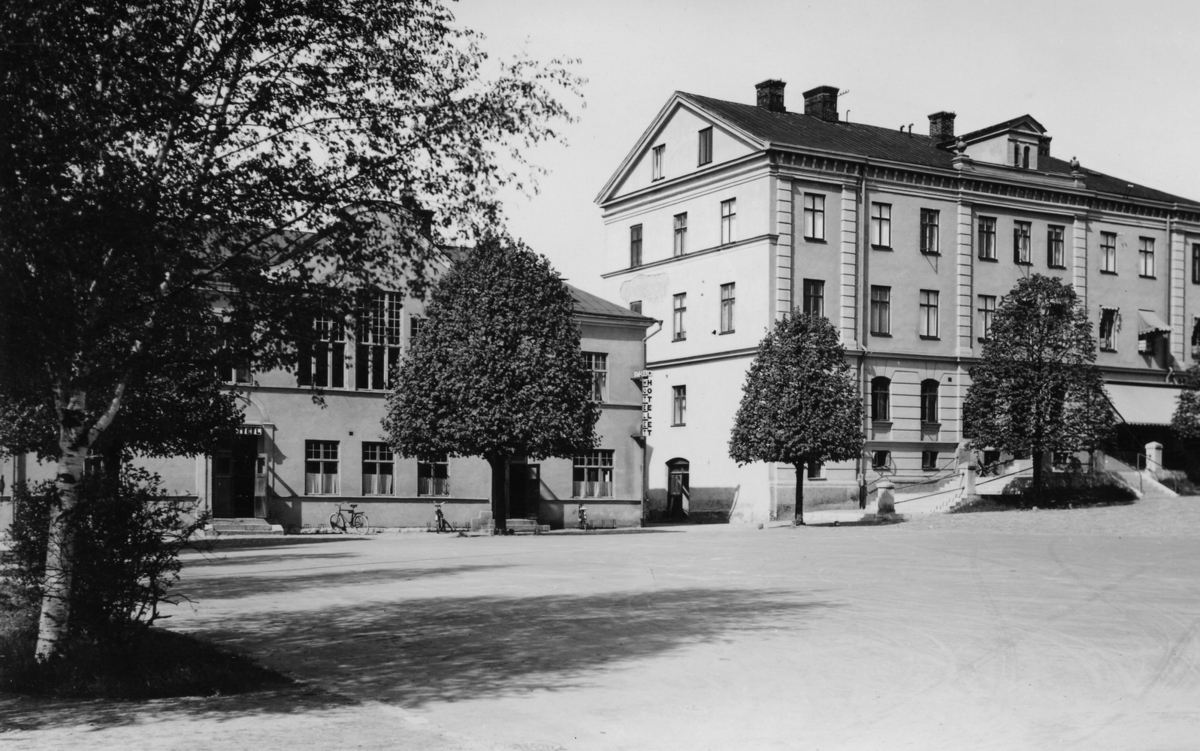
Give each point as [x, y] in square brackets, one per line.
[1186, 420]
[128, 536]
[497, 370]
[1037, 388]
[800, 403]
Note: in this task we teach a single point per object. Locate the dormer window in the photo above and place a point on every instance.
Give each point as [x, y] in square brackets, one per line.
[656, 162]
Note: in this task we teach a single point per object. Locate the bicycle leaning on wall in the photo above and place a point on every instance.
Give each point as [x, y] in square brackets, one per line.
[357, 520]
[443, 524]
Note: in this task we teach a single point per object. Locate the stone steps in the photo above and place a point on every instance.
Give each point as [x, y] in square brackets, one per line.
[526, 527]
[244, 527]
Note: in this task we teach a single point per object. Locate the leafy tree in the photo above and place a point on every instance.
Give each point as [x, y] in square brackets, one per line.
[800, 403]
[1037, 388]
[263, 156]
[497, 371]
[1186, 420]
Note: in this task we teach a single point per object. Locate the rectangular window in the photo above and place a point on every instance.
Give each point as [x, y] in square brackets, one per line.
[987, 310]
[656, 162]
[881, 459]
[433, 476]
[814, 216]
[597, 363]
[1108, 252]
[929, 401]
[987, 238]
[929, 232]
[635, 246]
[378, 465]
[1146, 257]
[321, 468]
[1196, 331]
[929, 460]
[680, 234]
[415, 324]
[728, 221]
[816, 471]
[678, 324]
[592, 476]
[727, 299]
[1108, 329]
[1055, 255]
[1022, 252]
[814, 297]
[323, 358]
[881, 311]
[679, 405]
[929, 314]
[378, 348]
[705, 139]
[636, 306]
[1196, 263]
[881, 225]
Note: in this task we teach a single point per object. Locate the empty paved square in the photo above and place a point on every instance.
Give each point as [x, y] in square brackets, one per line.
[1020, 630]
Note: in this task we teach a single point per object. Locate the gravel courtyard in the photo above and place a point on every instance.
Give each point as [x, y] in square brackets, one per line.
[1019, 630]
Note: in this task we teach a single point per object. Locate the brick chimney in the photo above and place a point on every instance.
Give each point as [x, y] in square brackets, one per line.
[822, 102]
[941, 125]
[770, 94]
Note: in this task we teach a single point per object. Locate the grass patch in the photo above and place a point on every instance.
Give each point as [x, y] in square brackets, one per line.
[163, 664]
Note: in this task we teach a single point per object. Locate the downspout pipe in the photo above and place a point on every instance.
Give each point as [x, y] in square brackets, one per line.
[864, 245]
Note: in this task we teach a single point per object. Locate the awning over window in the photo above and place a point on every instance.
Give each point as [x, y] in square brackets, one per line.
[1149, 323]
[1143, 405]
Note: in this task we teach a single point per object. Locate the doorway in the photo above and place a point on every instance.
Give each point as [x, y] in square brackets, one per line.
[678, 483]
[524, 491]
[235, 474]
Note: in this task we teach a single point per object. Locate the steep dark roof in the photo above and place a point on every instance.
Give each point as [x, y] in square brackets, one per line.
[870, 141]
[589, 304]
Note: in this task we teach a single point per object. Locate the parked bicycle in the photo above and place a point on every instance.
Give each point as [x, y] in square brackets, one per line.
[343, 520]
[443, 524]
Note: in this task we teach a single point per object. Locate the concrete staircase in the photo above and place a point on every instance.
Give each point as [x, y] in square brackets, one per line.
[244, 528]
[1141, 482]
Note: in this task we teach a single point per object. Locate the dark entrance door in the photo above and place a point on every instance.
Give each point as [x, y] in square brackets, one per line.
[677, 488]
[524, 491]
[234, 470]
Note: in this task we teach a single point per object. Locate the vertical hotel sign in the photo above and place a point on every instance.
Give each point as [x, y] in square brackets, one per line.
[647, 393]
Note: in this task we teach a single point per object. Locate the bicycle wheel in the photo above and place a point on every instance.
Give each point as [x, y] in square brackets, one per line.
[360, 523]
[337, 523]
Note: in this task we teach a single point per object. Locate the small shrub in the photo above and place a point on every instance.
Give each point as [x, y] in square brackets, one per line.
[1059, 490]
[128, 536]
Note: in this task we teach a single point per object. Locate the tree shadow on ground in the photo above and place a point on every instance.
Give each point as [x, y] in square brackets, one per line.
[443, 649]
[263, 559]
[232, 587]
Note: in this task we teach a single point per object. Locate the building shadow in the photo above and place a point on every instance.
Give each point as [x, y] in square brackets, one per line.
[219, 587]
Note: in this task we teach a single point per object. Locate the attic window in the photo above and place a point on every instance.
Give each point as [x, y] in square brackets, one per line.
[705, 147]
[1020, 155]
[656, 162]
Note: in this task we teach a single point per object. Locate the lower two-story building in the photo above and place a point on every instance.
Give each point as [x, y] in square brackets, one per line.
[726, 215]
[294, 461]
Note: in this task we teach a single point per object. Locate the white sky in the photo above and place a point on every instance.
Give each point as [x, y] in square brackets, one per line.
[1115, 83]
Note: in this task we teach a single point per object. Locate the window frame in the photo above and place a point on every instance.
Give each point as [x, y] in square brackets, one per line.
[679, 240]
[881, 225]
[371, 453]
[929, 323]
[987, 313]
[930, 232]
[704, 146]
[814, 217]
[931, 413]
[431, 470]
[986, 232]
[729, 221]
[601, 463]
[635, 246]
[678, 319]
[1146, 258]
[881, 399]
[929, 460]
[881, 310]
[378, 340]
[1023, 243]
[322, 359]
[728, 298]
[813, 295]
[881, 459]
[678, 406]
[1108, 343]
[597, 365]
[1195, 263]
[1108, 252]
[656, 162]
[316, 452]
[1056, 246]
